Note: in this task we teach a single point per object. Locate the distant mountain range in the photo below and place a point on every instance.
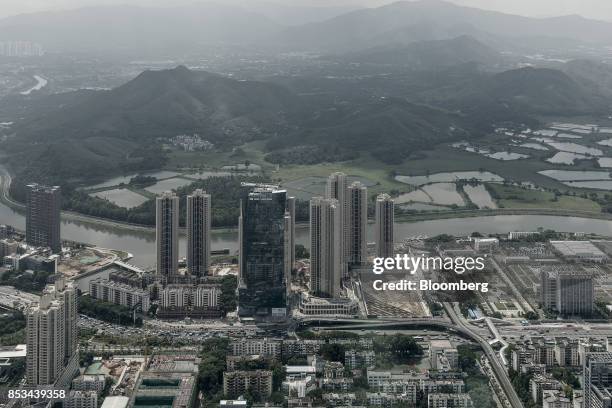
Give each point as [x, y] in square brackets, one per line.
[405, 21]
[426, 54]
[142, 30]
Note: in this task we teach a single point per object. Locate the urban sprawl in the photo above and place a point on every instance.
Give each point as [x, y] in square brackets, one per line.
[280, 325]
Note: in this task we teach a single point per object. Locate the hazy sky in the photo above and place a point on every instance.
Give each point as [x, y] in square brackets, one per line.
[601, 9]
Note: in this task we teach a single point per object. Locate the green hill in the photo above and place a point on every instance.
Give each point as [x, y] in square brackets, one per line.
[529, 91]
[76, 137]
[95, 133]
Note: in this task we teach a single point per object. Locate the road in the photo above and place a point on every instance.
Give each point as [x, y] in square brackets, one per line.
[498, 369]
[170, 331]
[517, 293]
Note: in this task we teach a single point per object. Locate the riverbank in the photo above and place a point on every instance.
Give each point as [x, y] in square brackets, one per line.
[105, 223]
[5, 198]
[441, 215]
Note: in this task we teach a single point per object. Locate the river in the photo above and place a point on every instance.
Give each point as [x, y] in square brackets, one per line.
[40, 84]
[141, 243]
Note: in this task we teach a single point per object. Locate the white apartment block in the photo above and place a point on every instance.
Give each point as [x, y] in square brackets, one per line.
[51, 334]
[119, 294]
[449, 401]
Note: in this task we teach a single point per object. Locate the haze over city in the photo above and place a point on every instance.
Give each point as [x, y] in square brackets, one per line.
[599, 9]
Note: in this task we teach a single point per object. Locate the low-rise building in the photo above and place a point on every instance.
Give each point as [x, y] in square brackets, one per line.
[455, 386]
[337, 400]
[264, 346]
[337, 384]
[555, 399]
[333, 369]
[119, 294]
[521, 357]
[81, 399]
[239, 403]
[449, 401]
[115, 402]
[567, 352]
[299, 388]
[381, 399]
[485, 244]
[443, 355]
[236, 383]
[358, 359]
[89, 382]
[408, 384]
[544, 350]
[169, 379]
[300, 372]
[185, 300]
[583, 251]
[292, 348]
[316, 306]
[540, 383]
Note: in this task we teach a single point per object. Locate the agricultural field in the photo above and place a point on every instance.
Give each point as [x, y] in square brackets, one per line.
[521, 169]
[517, 197]
[122, 197]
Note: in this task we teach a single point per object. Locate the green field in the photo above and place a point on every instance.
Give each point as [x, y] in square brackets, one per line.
[442, 158]
[516, 197]
[366, 167]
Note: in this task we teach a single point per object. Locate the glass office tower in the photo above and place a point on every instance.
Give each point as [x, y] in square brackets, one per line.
[262, 284]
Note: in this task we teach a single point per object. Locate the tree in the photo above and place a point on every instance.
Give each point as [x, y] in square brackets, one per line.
[467, 359]
[212, 365]
[404, 347]
[333, 352]
[301, 252]
[229, 284]
[316, 395]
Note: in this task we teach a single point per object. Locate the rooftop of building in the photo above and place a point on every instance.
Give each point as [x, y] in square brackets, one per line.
[577, 248]
[118, 285]
[115, 402]
[13, 351]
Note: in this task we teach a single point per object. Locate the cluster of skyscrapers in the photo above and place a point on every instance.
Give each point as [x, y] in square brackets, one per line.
[21, 49]
[198, 224]
[338, 233]
[338, 242]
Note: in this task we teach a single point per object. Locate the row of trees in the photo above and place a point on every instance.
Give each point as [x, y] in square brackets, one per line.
[399, 348]
[311, 155]
[228, 298]
[107, 312]
[226, 193]
[33, 282]
[12, 328]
